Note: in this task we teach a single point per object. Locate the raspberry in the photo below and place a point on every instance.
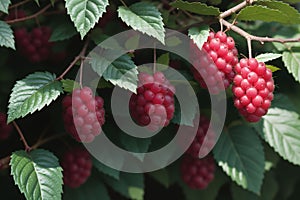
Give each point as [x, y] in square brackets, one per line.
[253, 88]
[5, 129]
[197, 173]
[77, 166]
[83, 114]
[34, 45]
[153, 105]
[202, 133]
[216, 64]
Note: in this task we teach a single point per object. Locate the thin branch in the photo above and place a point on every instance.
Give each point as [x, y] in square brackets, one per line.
[4, 162]
[27, 147]
[249, 47]
[29, 17]
[19, 4]
[236, 8]
[49, 139]
[77, 58]
[257, 38]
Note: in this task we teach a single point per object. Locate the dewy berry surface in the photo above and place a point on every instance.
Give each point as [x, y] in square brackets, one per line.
[153, 105]
[34, 45]
[216, 65]
[83, 114]
[253, 88]
[197, 173]
[5, 129]
[77, 166]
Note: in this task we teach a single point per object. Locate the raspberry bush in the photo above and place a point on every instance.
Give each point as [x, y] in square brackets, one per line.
[171, 66]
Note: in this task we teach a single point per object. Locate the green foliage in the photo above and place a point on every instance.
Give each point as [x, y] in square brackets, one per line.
[121, 72]
[37, 174]
[162, 176]
[106, 170]
[91, 189]
[281, 128]
[62, 30]
[69, 85]
[265, 57]
[6, 36]
[196, 7]
[292, 63]
[199, 35]
[85, 13]
[129, 185]
[273, 68]
[33, 93]
[240, 154]
[145, 18]
[4, 5]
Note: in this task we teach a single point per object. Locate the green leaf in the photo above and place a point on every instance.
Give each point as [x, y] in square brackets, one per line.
[173, 41]
[262, 13]
[162, 176]
[106, 170]
[199, 35]
[144, 17]
[6, 36]
[269, 190]
[265, 57]
[33, 93]
[122, 72]
[292, 1]
[4, 5]
[273, 68]
[69, 85]
[52, 2]
[196, 7]
[292, 15]
[292, 63]
[98, 37]
[129, 185]
[62, 30]
[85, 13]
[240, 154]
[133, 42]
[37, 174]
[92, 189]
[164, 59]
[281, 129]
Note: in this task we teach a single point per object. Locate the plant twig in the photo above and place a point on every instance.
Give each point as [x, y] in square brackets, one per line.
[236, 8]
[4, 162]
[257, 38]
[249, 48]
[19, 4]
[77, 58]
[27, 147]
[29, 17]
[40, 142]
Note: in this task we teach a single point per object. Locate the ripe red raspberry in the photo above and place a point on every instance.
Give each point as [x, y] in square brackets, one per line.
[153, 105]
[83, 114]
[253, 88]
[197, 173]
[77, 166]
[5, 129]
[216, 65]
[199, 142]
[34, 45]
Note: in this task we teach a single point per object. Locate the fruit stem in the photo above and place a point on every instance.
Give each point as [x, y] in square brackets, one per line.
[49, 139]
[236, 8]
[124, 4]
[77, 58]
[29, 17]
[19, 4]
[249, 47]
[27, 147]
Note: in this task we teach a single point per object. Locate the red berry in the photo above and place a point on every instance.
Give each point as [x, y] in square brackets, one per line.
[257, 83]
[197, 173]
[77, 166]
[5, 129]
[223, 56]
[83, 114]
[153, 105]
